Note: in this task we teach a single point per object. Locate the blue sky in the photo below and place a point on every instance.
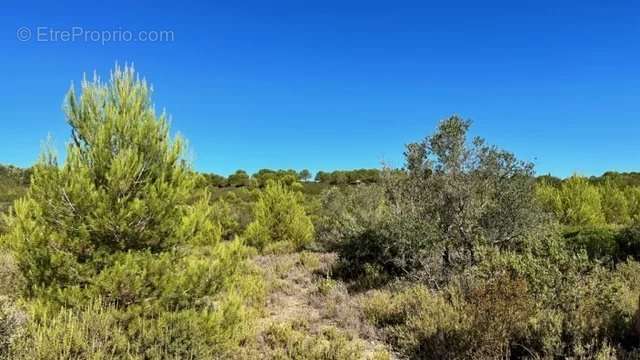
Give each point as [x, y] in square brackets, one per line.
[344, 84]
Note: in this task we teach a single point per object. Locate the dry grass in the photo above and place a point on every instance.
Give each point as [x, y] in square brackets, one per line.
[310, 315]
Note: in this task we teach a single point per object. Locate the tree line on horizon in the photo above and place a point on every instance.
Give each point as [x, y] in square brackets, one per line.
[16, 177]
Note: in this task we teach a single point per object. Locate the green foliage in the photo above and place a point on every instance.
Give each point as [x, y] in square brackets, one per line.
[304, 175]
[287, 177]
[233, 210]
[202, 224]
[151, 306]
[97, 332]
[239, 179]
[426, 325]
[600, 243]
[279, 217]
[606, 244]
[347, 212]
[417, 321]
[615, 205]
[367, 176]
[629, 179]
[227, 217]
[503, 315]
[13, 184]
[577, 306]
[215, 180]
[628, 240]
[580, 202]
[633, 201]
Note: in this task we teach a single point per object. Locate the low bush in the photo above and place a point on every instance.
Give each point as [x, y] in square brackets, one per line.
[197, 305]
[629, 243]
[11, 280]
[98, 332]
[418, 322]
[497, 314]
[346, 212]
[289, 341]
[606, 244]
[600, 243]
[12, 320]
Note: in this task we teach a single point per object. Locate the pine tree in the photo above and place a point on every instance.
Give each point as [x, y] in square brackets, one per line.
[279, 217]
[124, 186]
[581, 203]
[615, 205]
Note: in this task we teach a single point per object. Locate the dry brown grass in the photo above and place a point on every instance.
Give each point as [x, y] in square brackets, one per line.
[308, 309]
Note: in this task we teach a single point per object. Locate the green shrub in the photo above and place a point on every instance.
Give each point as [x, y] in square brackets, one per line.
[500, 310]
[152, 306]
[600, 243]
[347, 212]
[92, 333]
[310, 261]
[326, 286]
[169, 282]
[629, 243]
[228, 219]
[279, 248]
[279, 217]
[11, 322]
[193, 334]
[393, 249]
[289, 341]
[615, 204]
[97, 332]
[11, 280]
[606, 243]
[574, 303]
[581, 203]
[418, 322]
[515, 305]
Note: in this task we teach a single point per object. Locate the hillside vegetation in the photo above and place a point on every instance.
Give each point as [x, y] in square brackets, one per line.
[123, 251]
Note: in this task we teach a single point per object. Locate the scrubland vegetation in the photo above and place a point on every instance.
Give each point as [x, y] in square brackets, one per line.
[123, 251]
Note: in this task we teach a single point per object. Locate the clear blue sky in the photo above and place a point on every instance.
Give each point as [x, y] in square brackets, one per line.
[344, 84]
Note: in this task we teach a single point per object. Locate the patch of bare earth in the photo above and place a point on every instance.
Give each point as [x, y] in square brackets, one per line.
[301, 289]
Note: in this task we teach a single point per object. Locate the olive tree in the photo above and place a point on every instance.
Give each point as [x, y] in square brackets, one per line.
[453, 197]
[474, 193]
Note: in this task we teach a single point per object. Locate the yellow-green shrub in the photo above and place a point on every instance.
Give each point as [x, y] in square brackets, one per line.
[279, 217]
[289, 341]
[198, 305]
[418, 321]
[98, 332]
